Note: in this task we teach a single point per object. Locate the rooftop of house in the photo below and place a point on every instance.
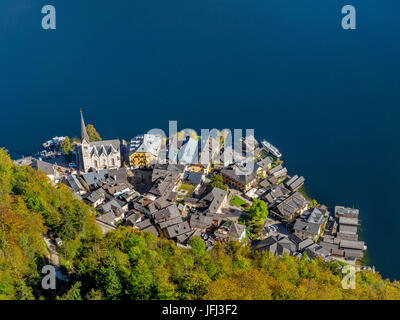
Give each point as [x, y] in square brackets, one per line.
[291, 204]
[214, 199]
[243, 179]
[44, 166]
[147, 143]
[315, 215]
[264, 163]
[193, 177]
[74, 183]
[277, 245]
[346, 212]
[92, 197]
[295, 182]
[108, 217]
[308, 227]
[95, 177]
[200, 221]
[169, 212]
[178, 229]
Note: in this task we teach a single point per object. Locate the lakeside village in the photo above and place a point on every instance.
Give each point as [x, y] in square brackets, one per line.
[132, 184]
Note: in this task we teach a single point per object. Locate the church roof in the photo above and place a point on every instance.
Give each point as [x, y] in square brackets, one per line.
[84, 135]
[104, 147]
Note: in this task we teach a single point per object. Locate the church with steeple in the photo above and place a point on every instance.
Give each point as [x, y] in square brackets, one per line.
[97, 155]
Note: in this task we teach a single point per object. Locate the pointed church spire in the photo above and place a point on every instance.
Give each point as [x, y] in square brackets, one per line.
[84, 135]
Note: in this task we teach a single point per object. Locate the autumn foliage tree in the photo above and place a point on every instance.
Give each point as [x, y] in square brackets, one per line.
[129, 264]
[92, 133]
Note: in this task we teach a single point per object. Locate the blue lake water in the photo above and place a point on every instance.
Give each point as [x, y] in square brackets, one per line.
[327, 98]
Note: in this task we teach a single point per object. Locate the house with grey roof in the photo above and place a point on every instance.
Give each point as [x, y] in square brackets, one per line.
[291, 207]
[45, 167]
[294, 183]
[230, 230]
[134, 218]
[200, 222]
[94, 198]
[73, 182]
[215, 200]
[310, 224]
[193, 178]
[108, 218]
[277, 245]
[263, 166]
[167, 213]
[273, 193]
[178, 229]
[95, 179]
[239, 180]
[346, 212]
[313, 251]
[278, 171]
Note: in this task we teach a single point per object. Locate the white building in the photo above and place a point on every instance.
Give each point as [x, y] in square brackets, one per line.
[98, 154]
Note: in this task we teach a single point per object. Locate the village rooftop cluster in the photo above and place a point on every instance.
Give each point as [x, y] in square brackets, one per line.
[134, 184]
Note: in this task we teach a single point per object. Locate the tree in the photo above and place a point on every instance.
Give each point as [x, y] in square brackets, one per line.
[258, 212]
[92, 133]
[67, 146]
[218, 182]
[198, 245]
[72, 294]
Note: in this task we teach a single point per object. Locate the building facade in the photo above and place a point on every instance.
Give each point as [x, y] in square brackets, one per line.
[144, 150]
[98, 155]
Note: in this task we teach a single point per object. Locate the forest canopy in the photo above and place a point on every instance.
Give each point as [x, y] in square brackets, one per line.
[128, 264]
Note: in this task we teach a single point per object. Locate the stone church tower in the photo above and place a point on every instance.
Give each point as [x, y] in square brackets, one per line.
[98, 155]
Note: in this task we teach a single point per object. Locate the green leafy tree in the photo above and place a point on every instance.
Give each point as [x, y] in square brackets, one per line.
[92, 133]
[218, 182]
[258, 212]
[67, 146]
[198, 246]
[72, 294]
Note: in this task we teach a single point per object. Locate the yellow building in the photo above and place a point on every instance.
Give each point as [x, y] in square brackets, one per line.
[144, 150]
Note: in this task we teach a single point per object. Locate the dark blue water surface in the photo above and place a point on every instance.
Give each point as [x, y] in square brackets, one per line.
[328, 98]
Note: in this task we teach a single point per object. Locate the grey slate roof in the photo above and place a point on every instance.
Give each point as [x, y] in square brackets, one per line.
[277, 245]
[200, 221]
[348, 221]
[92, 197]
[214, 199]
[291, 204]
[193, 177]
[264, 163]
[346, 212]
[46, 167]
[243, 179]
[108, 217]
[304, 244]
[236, 231]
[178, 229]
[95, 177]
[75, 183]
[167, 213]
[304, 226]
[119, 175]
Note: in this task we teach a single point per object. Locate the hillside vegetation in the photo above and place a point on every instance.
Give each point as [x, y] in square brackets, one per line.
[128, 264]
